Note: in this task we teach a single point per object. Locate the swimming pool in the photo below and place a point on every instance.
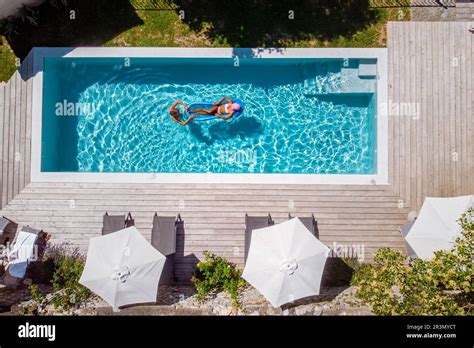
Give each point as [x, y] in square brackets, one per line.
[310, 115]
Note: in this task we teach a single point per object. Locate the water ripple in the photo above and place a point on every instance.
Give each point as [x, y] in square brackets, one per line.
[281, 131]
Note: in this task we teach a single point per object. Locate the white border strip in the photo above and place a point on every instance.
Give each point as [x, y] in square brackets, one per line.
[381, 178]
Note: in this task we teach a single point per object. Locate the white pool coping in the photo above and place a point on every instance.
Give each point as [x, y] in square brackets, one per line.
[380, 178]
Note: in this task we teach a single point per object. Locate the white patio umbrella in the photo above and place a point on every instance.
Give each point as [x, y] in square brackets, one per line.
[436, 226]
[123, 268]
[285, 262]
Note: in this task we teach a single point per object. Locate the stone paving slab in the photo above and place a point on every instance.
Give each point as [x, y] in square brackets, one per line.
[457, 11]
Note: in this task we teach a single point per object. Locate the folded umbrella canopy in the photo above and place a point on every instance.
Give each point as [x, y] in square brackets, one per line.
[123, 268]
[436, 226]
[285, 262]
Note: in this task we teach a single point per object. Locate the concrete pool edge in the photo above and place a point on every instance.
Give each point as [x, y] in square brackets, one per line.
[380, 178]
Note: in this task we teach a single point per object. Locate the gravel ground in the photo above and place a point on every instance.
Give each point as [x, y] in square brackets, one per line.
[180, 300]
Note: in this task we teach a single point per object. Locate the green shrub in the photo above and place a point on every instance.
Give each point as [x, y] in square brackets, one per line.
[36, 294]
[361, 271]
[67, 292]
[215, 274]
[439, 286]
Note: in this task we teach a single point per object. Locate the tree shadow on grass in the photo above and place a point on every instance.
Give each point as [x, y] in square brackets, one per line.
[96, 22]
[265, 23]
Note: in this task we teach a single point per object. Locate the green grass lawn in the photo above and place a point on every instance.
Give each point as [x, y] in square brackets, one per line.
[120, 24]
[163, 28]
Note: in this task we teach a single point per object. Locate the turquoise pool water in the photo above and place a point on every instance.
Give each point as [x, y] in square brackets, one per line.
[302, 116]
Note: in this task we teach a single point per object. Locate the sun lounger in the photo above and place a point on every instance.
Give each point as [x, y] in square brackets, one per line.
[24, 250]
[253, 223]
[404, 229]
[163, 238]
[7, 229]
[114, 223]
[310, 223]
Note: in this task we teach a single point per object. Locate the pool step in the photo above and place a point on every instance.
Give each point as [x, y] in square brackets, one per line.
[358, 77]
[367, 68]
[309, 83]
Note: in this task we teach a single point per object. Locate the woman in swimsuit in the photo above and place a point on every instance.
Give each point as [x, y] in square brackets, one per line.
[219, 110]
[176, 115]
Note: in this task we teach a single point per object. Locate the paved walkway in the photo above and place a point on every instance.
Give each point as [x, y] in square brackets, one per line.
[452, 11]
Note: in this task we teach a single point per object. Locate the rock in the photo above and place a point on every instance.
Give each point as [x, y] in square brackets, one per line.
[174, 300]
[86, 311]
[396, 291]
[272, 311]
[226, 311]
[50, 309]
[318, 311]
[303, 310]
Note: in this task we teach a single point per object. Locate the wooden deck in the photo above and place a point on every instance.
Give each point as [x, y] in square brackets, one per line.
[431, 154]
[430, 64]
[15, 132]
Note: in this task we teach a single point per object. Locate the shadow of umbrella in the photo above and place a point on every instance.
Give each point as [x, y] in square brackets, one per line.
[185, 264]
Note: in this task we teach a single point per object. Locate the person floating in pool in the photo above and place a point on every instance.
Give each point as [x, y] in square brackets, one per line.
[176, 115]
[224, 111]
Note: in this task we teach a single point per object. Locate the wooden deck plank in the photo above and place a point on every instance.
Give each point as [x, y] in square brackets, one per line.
[446, 114]
[11, 140]
[2, 119]
[390, 119]
[425, 116]
[411, 123]
[470, 109]
[402, 138]
[452, 112]
[459, 110]
[418, 120]
[435, 96]
[5, 130]
[443, 109]
[16, 134]
[459, 90]
[464, 124]
[427, 134]
[29, 88]
[394, 59]
[22, 135]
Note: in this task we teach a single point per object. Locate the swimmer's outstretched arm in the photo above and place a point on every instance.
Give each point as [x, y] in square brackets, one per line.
[221, 100]
[185, 122]
[178, 102]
